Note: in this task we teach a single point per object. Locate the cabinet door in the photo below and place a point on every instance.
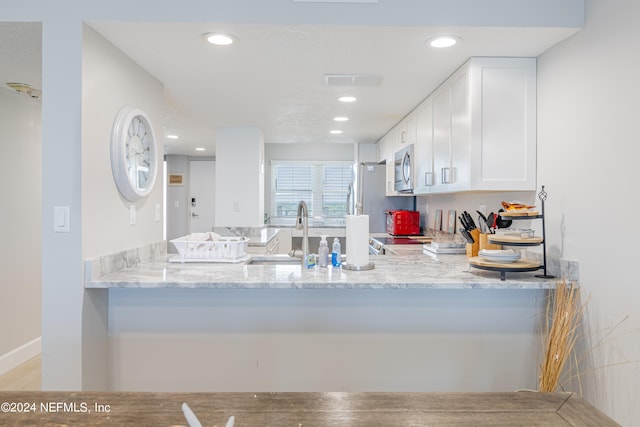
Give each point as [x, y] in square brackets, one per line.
[423, 153]
[410, 129]
[381, 154]
[460, 131]
[441, 139]
[393, 143]
[504, 129]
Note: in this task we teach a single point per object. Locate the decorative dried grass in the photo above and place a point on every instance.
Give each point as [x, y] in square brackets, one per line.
[563, 315]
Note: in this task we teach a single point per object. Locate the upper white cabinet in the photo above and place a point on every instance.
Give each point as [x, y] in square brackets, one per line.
[477, 131]
[423, 149]
[386, 147]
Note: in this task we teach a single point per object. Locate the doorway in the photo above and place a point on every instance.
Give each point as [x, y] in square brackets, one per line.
[202, 174]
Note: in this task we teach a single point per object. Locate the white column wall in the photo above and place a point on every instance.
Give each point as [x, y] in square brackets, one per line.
[239, 177]
[62, 275]
[588, 153]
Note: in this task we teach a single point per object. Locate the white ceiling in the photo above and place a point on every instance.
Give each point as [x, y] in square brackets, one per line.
[272, 78]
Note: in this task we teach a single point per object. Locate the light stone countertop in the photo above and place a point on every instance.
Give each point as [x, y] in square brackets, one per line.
[390, 272]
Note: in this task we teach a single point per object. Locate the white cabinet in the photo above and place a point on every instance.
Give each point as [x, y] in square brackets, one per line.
[503, 129]
[442, 168]
[461, 120]
[423, 150]
[483, 129]
[391, 144]
[409, 128]
[381, 154]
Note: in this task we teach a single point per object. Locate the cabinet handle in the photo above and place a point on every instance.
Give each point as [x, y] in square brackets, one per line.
[445, 172]
[428, 179]
[448, 175]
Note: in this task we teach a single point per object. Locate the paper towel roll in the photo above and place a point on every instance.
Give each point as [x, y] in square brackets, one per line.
[357, 240]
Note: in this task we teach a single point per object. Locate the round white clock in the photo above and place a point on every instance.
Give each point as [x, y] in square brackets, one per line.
[133, 153]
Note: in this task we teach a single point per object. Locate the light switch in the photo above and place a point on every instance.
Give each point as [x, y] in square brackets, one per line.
[132, 214]
[61, 216]
[158, 212]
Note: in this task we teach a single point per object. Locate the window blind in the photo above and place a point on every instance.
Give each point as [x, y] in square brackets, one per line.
[322, 185]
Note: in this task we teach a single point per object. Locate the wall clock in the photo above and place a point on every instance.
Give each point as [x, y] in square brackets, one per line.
[133, 153]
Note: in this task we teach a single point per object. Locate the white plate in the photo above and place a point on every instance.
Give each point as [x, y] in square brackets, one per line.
[499, 259]
[499, 255]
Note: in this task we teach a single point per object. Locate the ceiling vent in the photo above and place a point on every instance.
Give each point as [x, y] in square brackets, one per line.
[335, 1]
[25, 89]
[352, 80]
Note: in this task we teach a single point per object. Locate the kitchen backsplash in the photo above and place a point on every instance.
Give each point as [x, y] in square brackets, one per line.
[469, 202]
[99, 266]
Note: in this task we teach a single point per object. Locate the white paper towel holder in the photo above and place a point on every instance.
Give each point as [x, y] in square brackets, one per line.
[359, 211]
[369, 266]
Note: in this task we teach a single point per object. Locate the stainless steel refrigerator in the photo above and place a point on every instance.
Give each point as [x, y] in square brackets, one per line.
[375, 203]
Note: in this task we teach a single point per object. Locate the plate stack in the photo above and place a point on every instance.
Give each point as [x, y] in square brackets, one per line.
[499, 256]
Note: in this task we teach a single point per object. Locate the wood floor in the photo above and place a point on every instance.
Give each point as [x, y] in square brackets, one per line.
[26, 377]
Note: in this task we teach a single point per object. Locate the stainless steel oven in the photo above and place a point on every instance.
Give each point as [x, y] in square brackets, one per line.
[377, 244]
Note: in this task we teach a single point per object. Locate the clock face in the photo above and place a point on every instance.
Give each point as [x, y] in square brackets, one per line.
[133, 153]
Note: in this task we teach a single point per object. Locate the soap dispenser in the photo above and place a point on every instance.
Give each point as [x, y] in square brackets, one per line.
[323, 252]
[336, 256]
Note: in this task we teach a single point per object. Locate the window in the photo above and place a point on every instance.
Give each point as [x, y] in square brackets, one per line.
[322, 185]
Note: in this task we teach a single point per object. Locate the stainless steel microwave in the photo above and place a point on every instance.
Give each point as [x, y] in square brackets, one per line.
[403, 165]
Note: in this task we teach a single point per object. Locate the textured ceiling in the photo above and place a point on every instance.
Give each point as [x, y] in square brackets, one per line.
[273, 77]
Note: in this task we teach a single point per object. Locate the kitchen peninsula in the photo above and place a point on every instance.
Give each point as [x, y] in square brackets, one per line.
[390, 272]
[412, 323]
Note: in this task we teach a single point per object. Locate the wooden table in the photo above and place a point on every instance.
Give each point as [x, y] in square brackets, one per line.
[300, 409]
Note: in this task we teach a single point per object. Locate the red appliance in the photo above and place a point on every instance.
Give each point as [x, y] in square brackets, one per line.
[403, 223]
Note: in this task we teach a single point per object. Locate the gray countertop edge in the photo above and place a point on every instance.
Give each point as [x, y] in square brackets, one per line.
[390, 273]
[300, 286]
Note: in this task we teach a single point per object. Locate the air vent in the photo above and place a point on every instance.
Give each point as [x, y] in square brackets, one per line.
[25, 89]
[352, 80]
[335, 1]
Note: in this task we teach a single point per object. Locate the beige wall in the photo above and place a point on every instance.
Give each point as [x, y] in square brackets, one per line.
[20, 257]
[111, 80]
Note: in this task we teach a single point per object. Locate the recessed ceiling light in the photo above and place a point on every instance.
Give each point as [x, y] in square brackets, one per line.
[335, 132]
[347, 99]
[219, 39]
[443, 41]
[171, 136]
[200, 149]
[341, 119]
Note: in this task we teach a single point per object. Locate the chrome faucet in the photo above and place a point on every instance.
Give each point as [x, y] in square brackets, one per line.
[302, 223]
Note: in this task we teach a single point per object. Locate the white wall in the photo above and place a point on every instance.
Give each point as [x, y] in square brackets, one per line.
[323, 339]
[239, 177]
[20, 257]
[111, 80]
[588, 151]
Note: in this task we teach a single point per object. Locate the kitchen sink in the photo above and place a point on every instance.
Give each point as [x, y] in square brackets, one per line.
[273, 260]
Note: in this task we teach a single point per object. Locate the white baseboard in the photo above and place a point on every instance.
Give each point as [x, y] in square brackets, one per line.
[19, 355]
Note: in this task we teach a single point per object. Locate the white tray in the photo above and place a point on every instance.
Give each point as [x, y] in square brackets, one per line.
[180, 259]
[210, 247]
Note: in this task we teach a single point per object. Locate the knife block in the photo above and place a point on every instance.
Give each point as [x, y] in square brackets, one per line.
[473, 248]
[484, 242]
